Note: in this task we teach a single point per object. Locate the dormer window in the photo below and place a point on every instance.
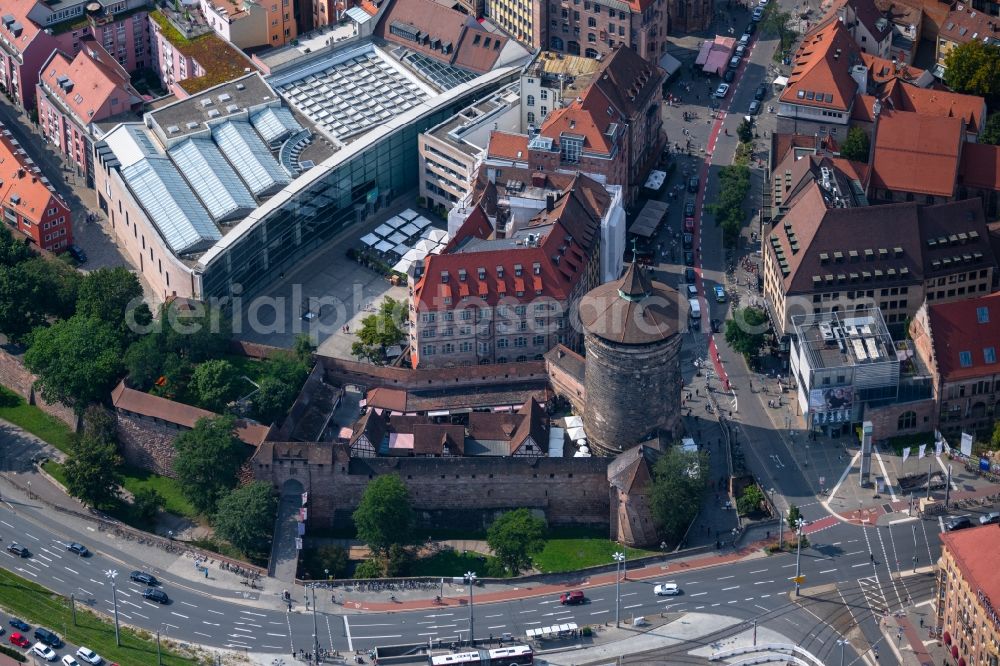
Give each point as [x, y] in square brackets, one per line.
[482, 273]
[500, 272]
[537, 268]
[518, 270]
[462, 274]
[444, 277]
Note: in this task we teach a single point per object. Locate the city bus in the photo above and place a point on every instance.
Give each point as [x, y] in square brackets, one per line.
[515, 655]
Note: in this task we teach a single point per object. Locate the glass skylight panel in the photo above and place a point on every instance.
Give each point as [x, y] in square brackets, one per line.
[212, 179]
[250, 157]
[171, 205]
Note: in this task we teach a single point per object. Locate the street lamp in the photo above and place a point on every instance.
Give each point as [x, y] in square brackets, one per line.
[315, 628]
[471, 577]
[112, 574]
[798, 555]
[842, 643]
[619, 562]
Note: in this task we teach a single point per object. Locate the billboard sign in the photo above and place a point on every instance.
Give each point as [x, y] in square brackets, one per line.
[831, 399]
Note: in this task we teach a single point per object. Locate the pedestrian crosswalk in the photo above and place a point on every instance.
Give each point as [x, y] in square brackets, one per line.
[874, 595]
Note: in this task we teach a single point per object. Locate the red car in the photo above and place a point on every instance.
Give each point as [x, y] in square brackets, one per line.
[574, 597]
[19, 640]
[689, 224]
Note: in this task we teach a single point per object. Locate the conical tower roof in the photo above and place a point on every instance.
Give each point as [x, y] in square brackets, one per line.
[633, 310]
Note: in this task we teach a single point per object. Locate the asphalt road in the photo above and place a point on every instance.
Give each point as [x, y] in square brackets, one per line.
[851, 557]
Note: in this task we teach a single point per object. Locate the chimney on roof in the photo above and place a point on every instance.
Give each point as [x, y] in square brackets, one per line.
[20, 173]
[538, 179]
[550, 202]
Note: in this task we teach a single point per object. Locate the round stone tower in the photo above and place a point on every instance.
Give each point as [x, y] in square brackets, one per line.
[632, 372]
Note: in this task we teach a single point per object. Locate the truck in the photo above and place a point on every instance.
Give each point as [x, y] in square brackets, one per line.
[695, 309]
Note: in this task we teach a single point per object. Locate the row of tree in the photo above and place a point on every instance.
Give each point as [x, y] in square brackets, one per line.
[734, 185]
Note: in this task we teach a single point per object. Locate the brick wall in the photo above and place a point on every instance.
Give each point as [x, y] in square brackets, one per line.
[18, 379]
[885, 420]
[453, 491]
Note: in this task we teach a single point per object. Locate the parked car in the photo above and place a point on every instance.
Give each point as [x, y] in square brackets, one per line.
[689, 224]
[750, 29]
[143, 577]
[689, 208]
[689, 258]
[689, 275]
[45, 636]
[693, 184]
[666, 590]
[19, 624]
[745, 39]
[157, 595]
[572, 598]
[688, 241]
[18, 640]
[715, 326]
[89, 656]
[68, 660]
[720, 294]
[734, 63]
[78, 549]
[729, 75]
[958, 523]
[692, 291]
[754, 107]
[760, 93]
[758, 14]
[722, 90]
[44, 651]
[741, 50]
[990, 518]
[77, 253]
[18, 550]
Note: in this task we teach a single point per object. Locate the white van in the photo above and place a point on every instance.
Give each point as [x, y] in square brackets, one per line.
[695, 308]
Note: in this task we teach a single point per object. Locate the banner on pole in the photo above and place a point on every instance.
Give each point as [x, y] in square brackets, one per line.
[923, 450]
[906, 454]
[298, 543]
[305, 498]
[966, 444]
[938, 448]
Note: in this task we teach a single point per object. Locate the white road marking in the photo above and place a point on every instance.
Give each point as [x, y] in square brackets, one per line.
[97, 581]
[278, 635]
[59, 579]
[187, 604]
[599, 612]
[497, 615]
[499, 626]
[759, 571]
[179, 615]
[211, 624]
[734, 587]
[726, 577]
[246, 612]
[249, 631]
[141, 615]
[32, 536]
[201, 634]
[71, 571]
[827, 571]
[763, 582]
[697, 594]
[347, 630]
[214, 611]
[30, 573]
[632, 606]
[863, 564]
[89, 594]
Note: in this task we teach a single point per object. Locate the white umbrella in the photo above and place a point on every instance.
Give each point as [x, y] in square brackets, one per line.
[369, 240]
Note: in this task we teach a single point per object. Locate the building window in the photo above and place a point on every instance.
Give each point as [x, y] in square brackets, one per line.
[990, 354]
[571, 149]
[544, 94]
[531, 100]
[906, 421]
[983, 315]
[429, 350]
[965, 359]
[591, 22]
[592, 38]
[531, 116]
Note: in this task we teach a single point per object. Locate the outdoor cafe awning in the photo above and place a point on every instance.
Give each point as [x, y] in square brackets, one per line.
[649, 218]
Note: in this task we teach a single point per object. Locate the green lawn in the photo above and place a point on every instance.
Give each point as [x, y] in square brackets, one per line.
[55, 470]
[169, 489]
[35, 604]
[450, 563]
[13, 408]
[570, 554]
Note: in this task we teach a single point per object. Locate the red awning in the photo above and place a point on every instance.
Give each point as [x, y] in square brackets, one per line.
[947, 638]
[961, 661]
[954, 651]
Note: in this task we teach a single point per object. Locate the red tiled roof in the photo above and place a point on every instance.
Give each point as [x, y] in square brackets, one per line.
[965, 23]
[980, 166]
[35, 196]
[29, 29]
[508, 146]
[587, 118]
[821, 67]
[955, 328]
[472, 47]
[97, 80]
[881, 70]
[903, 96]
[975, 553]
[918, 153]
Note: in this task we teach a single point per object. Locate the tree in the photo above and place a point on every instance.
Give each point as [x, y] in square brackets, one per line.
[745, 131]
[750, 501]
[146, 503]
[991, 130]
[283, 377]
[514, 537]
[995, 439]
[794, 516]
[208, 457]
[55, 285]
[303, 349]
[13, 250]
[745, 331]
[92, 469]
[371, 568]
[108, 294]
[974, 68]
[380, 331]
[678, 482]
[144, 362]
[245, 517]
[856, 146]
[19, 311]
[777, 23]
[77, 361]
[329, 558]
[384, 516]
[734, 184]
[214, 383]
